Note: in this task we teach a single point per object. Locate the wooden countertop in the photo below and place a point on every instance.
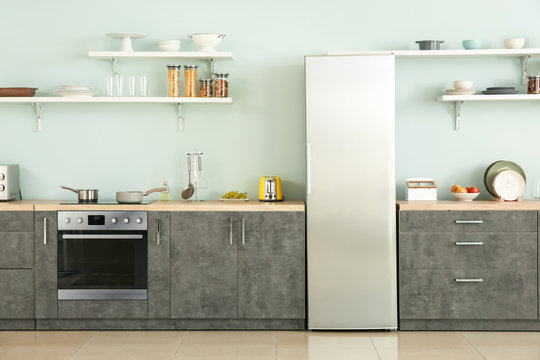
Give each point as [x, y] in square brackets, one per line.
[468, 205]
[213, 205]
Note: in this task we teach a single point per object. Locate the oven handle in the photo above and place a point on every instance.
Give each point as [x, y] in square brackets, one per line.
[100, 236]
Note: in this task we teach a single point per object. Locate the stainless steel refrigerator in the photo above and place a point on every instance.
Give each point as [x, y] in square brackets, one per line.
[351, 211]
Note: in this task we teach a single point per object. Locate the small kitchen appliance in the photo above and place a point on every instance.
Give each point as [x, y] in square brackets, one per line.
[9, 182]
[270, 189]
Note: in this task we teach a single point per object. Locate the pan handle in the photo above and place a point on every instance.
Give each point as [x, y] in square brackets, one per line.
[71, 189]
[155, 190]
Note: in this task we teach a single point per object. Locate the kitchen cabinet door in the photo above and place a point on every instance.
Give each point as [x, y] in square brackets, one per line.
[159, 299]
[203, 265]
[271, 265]
[17, 294]
[45, 265]
[16, 239]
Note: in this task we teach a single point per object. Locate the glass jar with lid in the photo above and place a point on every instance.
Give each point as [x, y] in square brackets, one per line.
[222, 84]
[206, 88]
[533, 85]
[173, 77]
[190, 77]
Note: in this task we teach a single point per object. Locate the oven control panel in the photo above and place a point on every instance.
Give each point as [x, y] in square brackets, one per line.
[102, 220]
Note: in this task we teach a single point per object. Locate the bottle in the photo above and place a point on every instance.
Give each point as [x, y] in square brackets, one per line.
[221, 85]
[165, 195]
[190, 76]
[173, 77]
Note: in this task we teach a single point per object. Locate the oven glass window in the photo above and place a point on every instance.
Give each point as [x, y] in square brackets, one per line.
[102, 263]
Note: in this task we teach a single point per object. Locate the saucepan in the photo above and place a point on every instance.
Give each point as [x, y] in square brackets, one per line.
[85, 195]
[135, 197]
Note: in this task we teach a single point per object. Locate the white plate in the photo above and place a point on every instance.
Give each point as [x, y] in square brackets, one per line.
[75, 87]
[509, 185]
[460, 92]
[76, 94]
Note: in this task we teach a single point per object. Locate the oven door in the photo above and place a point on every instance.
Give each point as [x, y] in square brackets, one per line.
[95, 265]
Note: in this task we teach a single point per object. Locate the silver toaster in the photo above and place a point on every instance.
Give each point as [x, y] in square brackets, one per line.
[9, 182]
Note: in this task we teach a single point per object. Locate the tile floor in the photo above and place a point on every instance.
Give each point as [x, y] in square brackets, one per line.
[275, 345]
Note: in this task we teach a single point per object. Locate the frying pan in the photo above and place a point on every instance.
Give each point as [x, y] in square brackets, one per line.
[135, 197]
[85, 195]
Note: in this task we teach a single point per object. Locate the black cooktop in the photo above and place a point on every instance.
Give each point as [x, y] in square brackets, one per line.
[106, 202]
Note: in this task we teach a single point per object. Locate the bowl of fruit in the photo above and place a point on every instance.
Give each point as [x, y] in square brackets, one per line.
[462, 193]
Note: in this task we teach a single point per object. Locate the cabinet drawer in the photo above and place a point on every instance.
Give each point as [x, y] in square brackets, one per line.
[435, 294]
[16, 294]
[102, 309]
[16, 250]
[12, 221]
[467, 221]
[467, 250]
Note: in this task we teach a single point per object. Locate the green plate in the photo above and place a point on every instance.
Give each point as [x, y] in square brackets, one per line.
[495, 168]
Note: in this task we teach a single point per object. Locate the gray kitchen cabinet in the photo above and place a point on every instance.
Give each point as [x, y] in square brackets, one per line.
[247, 265]
[271, 265]
[159, 297]
[203, 265]
[16, 263]
[477, 266]
[45, 265]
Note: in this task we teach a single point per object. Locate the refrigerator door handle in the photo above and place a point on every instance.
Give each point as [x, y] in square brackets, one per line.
[308, 167]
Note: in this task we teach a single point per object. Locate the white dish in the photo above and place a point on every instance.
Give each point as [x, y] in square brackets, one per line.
[514, 43]
[463, 84]
[76, 95]
[206, 42]
[126, 39]
[465, 196]
[508, 185]
[169, 47]
[460, 92]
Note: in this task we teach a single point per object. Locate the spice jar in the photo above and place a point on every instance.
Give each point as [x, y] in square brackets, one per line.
[222, 85]
[190, 76]
[206, 88]
[534, 85]
[173, 77]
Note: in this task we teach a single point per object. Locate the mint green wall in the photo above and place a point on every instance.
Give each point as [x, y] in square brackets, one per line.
[135, 147]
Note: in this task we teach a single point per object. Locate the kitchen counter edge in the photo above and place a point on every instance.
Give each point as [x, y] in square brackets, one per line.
[442, 205]
[210, 205]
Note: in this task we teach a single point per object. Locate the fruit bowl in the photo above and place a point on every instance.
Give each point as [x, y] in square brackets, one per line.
[465, 196]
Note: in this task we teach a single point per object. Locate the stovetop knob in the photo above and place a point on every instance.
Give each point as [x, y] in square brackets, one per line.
[2, 176]
[79, 220]
[139, 220]
[126, 220]
[114, 220]
[67, 220]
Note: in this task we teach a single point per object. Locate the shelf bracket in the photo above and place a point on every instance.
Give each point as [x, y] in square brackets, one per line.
[39, 116]
[524, 65]
[180, 117]
[115, 62]
[458, 116]
[211, 60]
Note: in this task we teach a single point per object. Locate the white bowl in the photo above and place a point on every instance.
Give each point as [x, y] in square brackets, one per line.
[170, 42]
[465, 196]
[463, 84]
[206, 42]
[514, 43]
[169, 47]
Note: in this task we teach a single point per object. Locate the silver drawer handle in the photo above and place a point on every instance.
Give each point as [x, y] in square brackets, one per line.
[45, 231]
[469, 243]
[158, 233]
[231, 232]
[243, 231]
[469, 221]
[469, 280]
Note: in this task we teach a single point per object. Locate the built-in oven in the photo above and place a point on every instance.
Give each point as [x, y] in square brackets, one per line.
[102, 255]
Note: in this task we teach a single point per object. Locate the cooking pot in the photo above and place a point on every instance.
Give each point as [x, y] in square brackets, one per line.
[85, 195]
[135, 197]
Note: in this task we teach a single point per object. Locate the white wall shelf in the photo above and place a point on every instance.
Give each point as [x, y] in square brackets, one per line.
[459, 99]
[443, 53]
[179, 101]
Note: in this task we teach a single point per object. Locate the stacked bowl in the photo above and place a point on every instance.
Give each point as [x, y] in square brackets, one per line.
[462, 87]
[169, 45]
